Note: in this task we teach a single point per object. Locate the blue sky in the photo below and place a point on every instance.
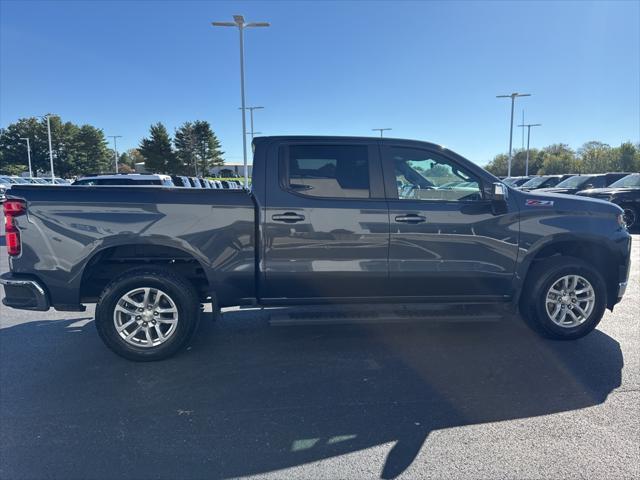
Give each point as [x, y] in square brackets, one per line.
[429, 70]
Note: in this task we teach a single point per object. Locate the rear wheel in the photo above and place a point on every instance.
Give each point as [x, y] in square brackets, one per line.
[147, 314]
[564, 298]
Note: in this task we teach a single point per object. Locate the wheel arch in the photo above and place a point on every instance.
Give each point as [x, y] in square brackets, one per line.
[113, 259]
[589, 249]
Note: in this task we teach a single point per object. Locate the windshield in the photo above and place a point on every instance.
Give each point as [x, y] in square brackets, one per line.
[574, 182]
[535, 182]
[19, 180]
[632, 180]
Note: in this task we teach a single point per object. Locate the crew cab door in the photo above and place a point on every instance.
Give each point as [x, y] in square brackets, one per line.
[326, 222]
[446, 239]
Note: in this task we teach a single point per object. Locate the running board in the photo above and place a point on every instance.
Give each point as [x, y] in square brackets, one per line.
[332, 315]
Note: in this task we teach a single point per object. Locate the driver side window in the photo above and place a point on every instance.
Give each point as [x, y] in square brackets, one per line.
[424, 175]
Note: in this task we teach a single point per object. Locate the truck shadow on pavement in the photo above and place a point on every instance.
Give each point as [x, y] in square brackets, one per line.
[248, 399]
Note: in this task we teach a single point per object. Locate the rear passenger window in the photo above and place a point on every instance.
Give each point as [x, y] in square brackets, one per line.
[334, 171]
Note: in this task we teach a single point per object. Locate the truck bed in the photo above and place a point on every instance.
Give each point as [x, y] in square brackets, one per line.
[67, 227]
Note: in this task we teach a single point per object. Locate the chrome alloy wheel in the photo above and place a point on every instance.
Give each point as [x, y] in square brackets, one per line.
[570, 301]
[145, 317]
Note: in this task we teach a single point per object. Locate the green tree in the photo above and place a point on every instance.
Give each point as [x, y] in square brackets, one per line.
[197, 147]
[627, 158]
[185, 142]
[596, 157]
[91, 154]
[75, 149]
[208, 150]
[559, 158]
[158, 152]
[130, 158]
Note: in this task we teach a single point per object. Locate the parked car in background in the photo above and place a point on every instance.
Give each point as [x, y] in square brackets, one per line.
[624, 193]
[38, 181]
[543, 181]
[181, 181]
[133, 179]
[577, 183]
[3, 192]
[516, 181]
[56, 181]
[328, 220]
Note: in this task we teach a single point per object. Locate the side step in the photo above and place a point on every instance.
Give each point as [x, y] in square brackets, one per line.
[365, 314]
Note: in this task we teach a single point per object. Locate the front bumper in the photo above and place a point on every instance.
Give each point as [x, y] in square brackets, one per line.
[23, 293]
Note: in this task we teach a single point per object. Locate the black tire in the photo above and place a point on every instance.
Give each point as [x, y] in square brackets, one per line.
[630, 217]
[176, 287]
[541, 277]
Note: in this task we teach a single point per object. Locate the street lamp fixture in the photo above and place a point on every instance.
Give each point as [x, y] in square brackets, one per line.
[239, 22]
[381, 130]
[251, 109]
[513, 97]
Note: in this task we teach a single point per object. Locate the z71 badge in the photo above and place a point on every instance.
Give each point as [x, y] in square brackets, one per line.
[530, 202]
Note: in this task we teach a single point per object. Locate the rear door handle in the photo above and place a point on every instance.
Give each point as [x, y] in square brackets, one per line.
[287, 217]
[411, 218]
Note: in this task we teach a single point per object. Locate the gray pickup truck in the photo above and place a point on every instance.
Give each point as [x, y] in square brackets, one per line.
[329, 220]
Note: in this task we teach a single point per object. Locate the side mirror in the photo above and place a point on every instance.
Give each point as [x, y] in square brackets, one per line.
[499, 199]
[499, 192]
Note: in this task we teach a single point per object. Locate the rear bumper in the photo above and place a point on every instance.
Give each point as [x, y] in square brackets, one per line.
[23, 293]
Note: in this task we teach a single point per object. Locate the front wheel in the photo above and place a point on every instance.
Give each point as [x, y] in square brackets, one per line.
[630, 217]
[564, 298]
[147, 314]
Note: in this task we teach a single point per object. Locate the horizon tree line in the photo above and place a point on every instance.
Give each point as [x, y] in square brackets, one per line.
[84, 149]
[559, 158]
[194, 149]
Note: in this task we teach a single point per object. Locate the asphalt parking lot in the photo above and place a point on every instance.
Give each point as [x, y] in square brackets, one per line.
[461, 400]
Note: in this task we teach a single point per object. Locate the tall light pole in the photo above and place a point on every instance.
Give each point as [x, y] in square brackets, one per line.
[251, 109]
[522, 147]
[115, 148]
[513, 97]
[381, 130]
[48, 116]
[238, 21]
[529, 125]
[28, 155]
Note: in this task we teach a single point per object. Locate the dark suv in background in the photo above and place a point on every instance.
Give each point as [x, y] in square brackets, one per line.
[544, 181]
[624, 193]
[577, 183]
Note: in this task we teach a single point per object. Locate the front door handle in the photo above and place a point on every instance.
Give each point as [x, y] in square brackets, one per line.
[411, 218]
[288, 217]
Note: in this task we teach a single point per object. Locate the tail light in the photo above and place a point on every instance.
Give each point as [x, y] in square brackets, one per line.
[12, 209]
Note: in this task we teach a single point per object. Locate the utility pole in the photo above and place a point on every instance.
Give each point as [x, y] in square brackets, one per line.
[526, 165]
[48, 116]
[115, 148]
[28, 155]
[380, 130]
[251, 109]
[522, 147]
[238, 21]
[513, 97]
